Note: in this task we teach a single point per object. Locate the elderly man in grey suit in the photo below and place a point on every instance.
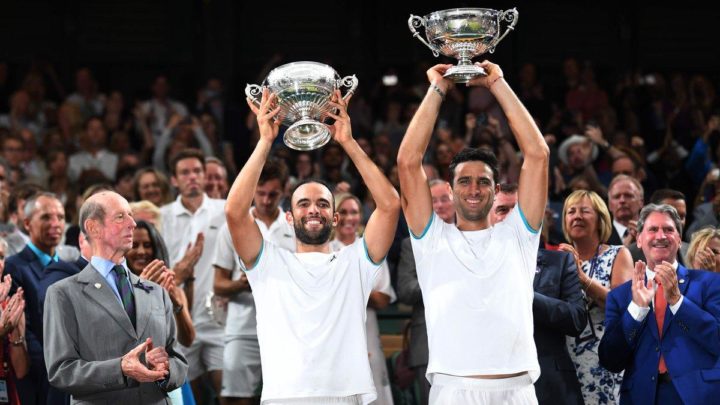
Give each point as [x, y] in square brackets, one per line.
[109, 337]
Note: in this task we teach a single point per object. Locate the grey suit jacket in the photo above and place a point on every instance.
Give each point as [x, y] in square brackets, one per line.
[409, 293]
[87, 331]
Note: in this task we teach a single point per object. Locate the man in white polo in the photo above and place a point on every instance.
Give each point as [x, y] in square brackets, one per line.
[477, 279]
[311, 304]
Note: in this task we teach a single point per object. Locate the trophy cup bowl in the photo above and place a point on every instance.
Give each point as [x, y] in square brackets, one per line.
[463, 33]
[303, 91]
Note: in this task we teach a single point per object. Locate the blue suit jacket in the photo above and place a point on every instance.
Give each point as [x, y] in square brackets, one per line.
[558, 310]
[690, 342]
[27, 271]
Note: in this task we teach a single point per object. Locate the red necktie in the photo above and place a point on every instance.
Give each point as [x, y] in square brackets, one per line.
[660, 306]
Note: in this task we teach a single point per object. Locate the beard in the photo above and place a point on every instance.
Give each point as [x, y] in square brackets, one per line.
[471, 215]
[312, 237]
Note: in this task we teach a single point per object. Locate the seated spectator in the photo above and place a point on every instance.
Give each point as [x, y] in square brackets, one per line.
[86, 96]
[704, 250]
[12, 332]
[93, 153]
[150, 184]
[161, 107]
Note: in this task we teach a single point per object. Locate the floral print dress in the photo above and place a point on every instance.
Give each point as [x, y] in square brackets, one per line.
[599, 386]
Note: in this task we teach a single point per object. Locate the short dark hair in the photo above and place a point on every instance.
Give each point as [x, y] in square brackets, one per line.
[87, 122]
[274, 169]
[475, 155]
[187, 153]
[314, 180]
[23, 191]
[508, 188]
[666, 194]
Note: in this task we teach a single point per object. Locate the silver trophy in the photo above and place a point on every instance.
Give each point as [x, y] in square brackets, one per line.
[463, 33]
[303, 92]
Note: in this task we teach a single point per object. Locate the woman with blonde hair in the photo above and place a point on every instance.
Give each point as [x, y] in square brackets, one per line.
[601, 267]
[704, 250]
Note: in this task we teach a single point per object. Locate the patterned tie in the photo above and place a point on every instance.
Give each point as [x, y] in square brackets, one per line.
[660, 307]
[125, 290]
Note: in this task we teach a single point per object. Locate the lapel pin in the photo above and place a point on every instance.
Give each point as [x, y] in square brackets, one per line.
[98, 285]
[681, 281]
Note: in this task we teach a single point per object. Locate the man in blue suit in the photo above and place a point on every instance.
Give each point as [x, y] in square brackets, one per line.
[45, 222]
[663, 326]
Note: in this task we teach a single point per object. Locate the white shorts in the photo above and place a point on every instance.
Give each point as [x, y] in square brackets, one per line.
[206, 352]
[453, 390]
[351, 400]
[241, 372]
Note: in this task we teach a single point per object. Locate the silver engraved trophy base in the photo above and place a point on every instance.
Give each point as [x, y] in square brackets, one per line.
[464, 73]
[303, 91]
[463, 34]
[307, 134]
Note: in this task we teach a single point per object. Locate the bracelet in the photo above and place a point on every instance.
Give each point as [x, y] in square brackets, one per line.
[177, 309]
[494, 81]
[19, 341]
[437, 90]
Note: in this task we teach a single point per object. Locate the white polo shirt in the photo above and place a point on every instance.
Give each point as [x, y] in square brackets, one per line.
[478, 291]
[311, 322]
[241, 307]
[180, 228]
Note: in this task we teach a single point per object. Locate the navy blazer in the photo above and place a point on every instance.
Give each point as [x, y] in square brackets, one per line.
[690, 342]
[558, 310]
[27, 271]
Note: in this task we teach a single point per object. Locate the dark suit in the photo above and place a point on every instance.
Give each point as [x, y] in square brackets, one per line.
[88, 332]
[408, 292]
[558, 310]
[615, 238]
[27, 271]
[53, 273]
[690, 343]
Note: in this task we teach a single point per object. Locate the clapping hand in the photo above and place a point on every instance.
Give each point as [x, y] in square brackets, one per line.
[132, 367]
[642, 291]
[13, 312]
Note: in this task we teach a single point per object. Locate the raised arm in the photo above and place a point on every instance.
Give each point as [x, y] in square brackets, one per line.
[245, 233]
[416, 199]
[533, 183]
[380, 229]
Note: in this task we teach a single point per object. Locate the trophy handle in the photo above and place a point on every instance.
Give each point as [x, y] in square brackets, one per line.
[348, 81]
[417, 22]
[253, 92]
[511, 17]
